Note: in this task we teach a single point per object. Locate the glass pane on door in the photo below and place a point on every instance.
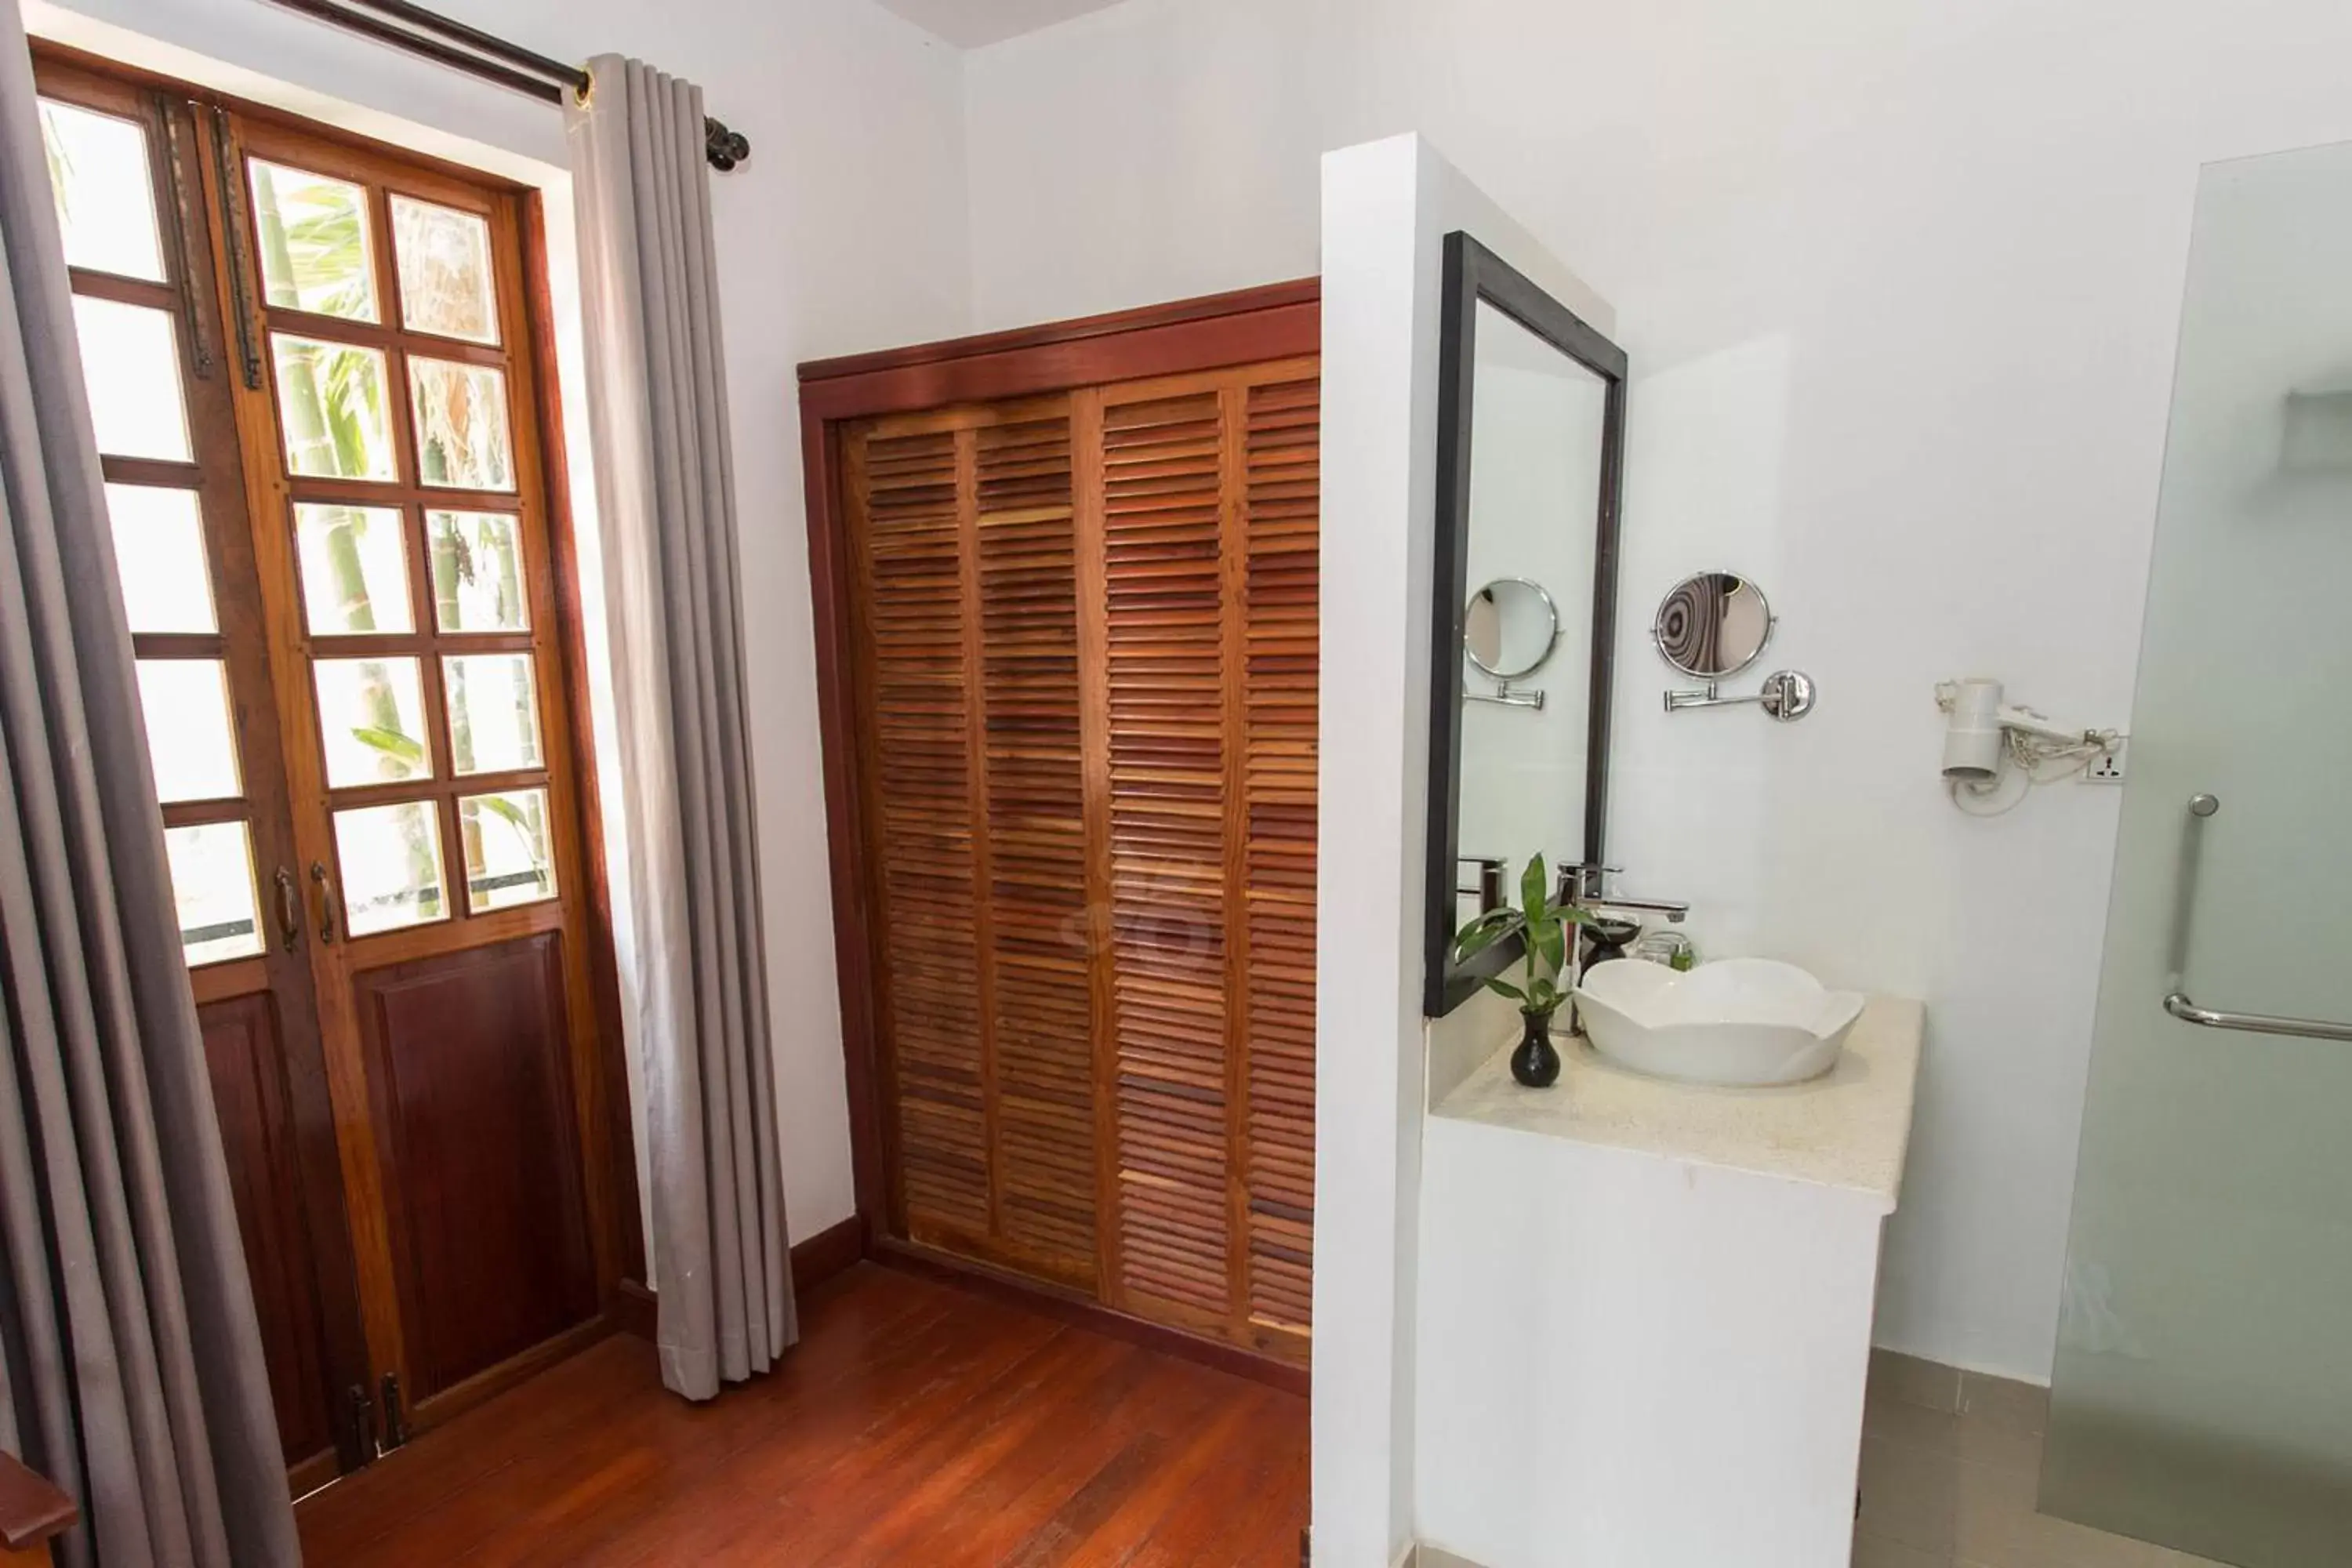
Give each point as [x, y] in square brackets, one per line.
[477, 574]
[444, 271]
[131, 362]
[461, 426]
[332, 404]
[354, 569]
[161, 558]
[315, 251]
[191, 738]
[508, 859]
[98, 172]
[212, 884]
[493, 712]
[2203, 1388]
[391, 856]
[371, 718]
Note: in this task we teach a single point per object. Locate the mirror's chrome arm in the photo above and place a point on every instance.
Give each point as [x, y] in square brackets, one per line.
[1503, 695]
[1787, 695]
[2177, 1001]
[1705, 697]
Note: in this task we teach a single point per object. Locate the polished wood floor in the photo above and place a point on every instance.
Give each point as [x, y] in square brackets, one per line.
[916, 1424]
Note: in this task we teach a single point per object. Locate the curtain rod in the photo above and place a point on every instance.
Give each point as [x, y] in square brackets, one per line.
[449, 42]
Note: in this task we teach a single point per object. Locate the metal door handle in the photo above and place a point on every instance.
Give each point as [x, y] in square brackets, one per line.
[2177, 1001]
[289, 910]
[326, 902]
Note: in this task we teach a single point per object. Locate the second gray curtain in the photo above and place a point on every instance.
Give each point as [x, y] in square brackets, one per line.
[666, 496]
[130, 1365]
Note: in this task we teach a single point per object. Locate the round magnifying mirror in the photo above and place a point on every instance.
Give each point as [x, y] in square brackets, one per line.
[1713, 624]
[1509, 627]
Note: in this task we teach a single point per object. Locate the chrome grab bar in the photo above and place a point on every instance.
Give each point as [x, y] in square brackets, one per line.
[2177, 1001]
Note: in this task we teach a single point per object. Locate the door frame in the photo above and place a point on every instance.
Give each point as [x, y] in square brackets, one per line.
[1274, 321]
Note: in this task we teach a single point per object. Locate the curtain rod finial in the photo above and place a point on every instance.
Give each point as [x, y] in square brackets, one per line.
[724, 148]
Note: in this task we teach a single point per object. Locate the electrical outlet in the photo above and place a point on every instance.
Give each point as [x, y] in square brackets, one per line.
[2108, 768]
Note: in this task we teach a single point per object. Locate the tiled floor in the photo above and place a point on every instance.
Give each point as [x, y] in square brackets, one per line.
[1950, 1463]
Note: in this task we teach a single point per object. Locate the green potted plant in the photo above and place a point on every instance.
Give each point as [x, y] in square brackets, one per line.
[1540, 989]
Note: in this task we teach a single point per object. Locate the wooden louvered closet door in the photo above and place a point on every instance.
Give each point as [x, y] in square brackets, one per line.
[1086, 684]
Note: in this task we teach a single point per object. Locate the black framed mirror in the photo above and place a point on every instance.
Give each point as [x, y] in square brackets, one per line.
[1530, 460]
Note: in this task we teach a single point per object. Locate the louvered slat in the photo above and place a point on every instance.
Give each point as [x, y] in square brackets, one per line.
[1043, 1040]
[902, 506]
[1281, 529]
[1162, 561]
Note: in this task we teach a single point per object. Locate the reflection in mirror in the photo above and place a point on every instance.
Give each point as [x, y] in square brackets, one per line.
[1713, 624]
[1528, 466]
[1535, 488]
[1509, 627]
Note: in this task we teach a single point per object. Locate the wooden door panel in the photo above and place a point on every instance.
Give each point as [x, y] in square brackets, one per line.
[1164, 565]
[1282, 536]
[918, 777]
[1023, 564]
[469, 1058]
[975, 777]
[244, 1051]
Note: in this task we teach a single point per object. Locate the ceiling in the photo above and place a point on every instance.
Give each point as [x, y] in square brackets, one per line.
[971, 23]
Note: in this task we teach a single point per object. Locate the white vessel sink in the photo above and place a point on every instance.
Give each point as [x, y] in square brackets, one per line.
[1744, 1021]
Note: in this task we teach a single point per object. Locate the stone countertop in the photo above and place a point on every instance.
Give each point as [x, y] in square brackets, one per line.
[1847, 1130]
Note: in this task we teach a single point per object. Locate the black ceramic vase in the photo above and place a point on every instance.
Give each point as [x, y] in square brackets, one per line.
[1535, 1063]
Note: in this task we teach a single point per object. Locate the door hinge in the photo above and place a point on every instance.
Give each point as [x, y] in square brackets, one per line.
[230, 177]
[395, 1420]
[362, 1411]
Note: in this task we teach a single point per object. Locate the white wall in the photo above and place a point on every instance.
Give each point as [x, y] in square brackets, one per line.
[1899, 285]
[1385, 209]
[845, 230]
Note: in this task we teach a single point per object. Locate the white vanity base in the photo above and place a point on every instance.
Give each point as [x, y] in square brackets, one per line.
[1645, 1311]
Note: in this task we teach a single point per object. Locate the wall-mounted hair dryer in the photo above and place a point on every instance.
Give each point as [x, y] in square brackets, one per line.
[1986, 733]
[1974, 744]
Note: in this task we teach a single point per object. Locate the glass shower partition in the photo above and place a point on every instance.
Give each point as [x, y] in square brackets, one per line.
[2202, 1393]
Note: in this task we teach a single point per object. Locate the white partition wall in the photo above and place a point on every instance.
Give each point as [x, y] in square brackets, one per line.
[1387, 207]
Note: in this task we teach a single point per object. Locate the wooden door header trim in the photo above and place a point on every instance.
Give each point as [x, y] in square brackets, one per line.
[1278, 321]
[1264, 296]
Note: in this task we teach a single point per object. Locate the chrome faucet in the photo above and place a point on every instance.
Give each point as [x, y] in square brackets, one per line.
[1587, 887]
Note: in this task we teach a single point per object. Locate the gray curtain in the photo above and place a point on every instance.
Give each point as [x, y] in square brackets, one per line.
[131, 1368]
[693, 957]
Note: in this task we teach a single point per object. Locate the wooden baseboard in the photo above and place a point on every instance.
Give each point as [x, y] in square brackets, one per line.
[831, 1251]
[633, 1308]
[914, 1258]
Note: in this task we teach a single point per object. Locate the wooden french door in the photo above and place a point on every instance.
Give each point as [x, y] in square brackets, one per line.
[395, 486]
[1083, 675]
[311, 371]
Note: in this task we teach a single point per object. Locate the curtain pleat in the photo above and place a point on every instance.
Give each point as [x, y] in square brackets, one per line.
[132, 1372]
[658, 407]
